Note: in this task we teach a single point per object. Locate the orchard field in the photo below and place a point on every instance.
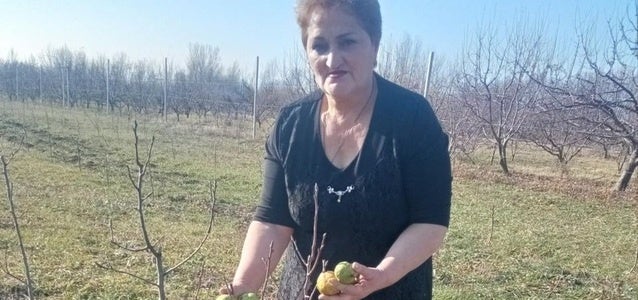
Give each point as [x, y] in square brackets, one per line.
[536, 234]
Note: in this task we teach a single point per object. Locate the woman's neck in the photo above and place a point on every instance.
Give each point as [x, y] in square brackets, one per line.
[343, 107]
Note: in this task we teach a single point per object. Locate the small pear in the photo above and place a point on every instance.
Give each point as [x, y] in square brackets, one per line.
[345, 273]
[327, 283]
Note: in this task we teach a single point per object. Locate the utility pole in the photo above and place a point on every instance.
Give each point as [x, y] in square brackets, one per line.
[165, 89]
[17, 93]
[40, 84]
[62, 71]
[428, 75]
[68, 95]
[255, 99]
[108, 71]
[636, 41]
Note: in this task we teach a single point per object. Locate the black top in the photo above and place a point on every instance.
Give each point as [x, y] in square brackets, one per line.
[401, 176]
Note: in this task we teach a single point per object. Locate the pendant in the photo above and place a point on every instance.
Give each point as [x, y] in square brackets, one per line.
[348, 189]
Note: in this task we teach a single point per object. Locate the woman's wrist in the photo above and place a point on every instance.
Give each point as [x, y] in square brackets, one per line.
[388, 277]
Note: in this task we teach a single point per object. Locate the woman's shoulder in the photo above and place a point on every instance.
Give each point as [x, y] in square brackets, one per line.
[404, 106]
[411, 119]
[399, 96]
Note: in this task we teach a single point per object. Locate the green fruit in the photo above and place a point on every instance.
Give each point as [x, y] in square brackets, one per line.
[345, 274]
[249, 296]
[225, 297]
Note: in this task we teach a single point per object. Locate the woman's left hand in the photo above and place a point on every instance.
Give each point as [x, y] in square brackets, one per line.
[370, 280]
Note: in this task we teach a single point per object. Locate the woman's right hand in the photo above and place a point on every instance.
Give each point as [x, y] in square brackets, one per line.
[262, 240]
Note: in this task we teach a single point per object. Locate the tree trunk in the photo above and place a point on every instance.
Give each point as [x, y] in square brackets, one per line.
[292, 279]
[628, 171]
[502, 152]
[159, 265]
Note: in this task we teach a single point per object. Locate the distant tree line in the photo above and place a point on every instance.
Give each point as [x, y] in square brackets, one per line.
[512, 85]
[71, 79]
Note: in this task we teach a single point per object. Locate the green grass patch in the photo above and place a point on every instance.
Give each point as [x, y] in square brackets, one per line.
[534, 235]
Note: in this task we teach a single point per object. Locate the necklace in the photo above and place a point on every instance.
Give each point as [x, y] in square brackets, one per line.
[348, 189]
[348, 131]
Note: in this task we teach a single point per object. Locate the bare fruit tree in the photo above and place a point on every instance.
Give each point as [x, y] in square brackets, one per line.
[603, 88]
[16, 226]
[494, 88]
[297, 284]
[556, 130]
[405, 63]
[153, 248]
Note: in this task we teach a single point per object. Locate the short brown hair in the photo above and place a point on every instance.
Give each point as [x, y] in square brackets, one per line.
[367, 13]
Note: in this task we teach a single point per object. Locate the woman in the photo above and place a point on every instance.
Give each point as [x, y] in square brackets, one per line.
[377, 155]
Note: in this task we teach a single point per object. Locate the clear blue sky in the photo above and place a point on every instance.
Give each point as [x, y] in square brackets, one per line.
[243, 29]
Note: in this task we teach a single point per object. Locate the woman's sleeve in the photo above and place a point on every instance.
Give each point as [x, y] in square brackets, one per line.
[273, 206]
[426, 169]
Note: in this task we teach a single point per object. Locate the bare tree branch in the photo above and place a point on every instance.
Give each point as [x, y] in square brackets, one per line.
[120, 245]
[111, 268]
[213, 199]
[16, 224]
[5, 268]
[315, 249]
[267, 262]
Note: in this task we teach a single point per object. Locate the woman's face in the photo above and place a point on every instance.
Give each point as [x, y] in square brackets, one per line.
[341, 53]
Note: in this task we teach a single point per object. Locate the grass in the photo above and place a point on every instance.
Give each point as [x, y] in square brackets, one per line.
[536, 245]
[533, 235]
